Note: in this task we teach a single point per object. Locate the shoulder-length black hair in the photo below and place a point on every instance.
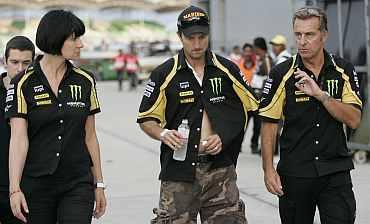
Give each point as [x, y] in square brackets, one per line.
[54, 28]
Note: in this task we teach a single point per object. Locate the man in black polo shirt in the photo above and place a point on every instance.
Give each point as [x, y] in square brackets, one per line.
[316, 93]
[208, 91]
[19, 53]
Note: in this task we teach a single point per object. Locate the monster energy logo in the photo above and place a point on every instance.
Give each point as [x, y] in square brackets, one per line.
[216, 85]
[332, 86]
[75, 92]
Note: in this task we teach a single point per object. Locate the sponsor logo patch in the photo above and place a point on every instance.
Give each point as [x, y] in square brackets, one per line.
[302, 99]
[76, 92]
[41, 96]
[216, 84]
[184, 85]
[187, 100]
[38, 89]
[298, 92]
[43, 102]
[187, 93]
[332, 87]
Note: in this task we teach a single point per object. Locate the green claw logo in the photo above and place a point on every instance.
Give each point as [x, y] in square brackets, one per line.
[216, 85]
[75, 92]
[332, 86]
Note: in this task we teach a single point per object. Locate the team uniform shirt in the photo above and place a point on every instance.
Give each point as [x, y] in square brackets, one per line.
[56, 124]
[4, 140]
[173, 93]
[313, 143]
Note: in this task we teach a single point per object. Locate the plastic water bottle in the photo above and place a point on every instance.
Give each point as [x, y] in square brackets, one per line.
[183, 129]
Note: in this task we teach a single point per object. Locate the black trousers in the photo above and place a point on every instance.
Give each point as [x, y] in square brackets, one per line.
[59, 200]
[6, 214]
[256, 128]
[332, 194]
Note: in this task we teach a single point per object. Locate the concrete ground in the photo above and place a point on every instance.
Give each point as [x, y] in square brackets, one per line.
[131, 165]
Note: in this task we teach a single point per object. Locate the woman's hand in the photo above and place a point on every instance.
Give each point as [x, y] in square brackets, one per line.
[100, 202]
[18, 204]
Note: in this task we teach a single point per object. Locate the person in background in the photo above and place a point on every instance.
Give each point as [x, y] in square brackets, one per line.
[208, 92]
[53, 143]
[247, 63]
[119, 67]
[316, 93]
[279, 44]
[132, 66]
[264, 64]
[19, 54]
[235, 54]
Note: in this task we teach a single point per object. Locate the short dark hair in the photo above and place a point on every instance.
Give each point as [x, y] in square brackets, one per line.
[260, 42]
[21, 43]
[247, 45]
[54, 28]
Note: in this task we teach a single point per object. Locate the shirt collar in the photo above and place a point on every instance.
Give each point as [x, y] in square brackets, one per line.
[183, 64]
[328, 61]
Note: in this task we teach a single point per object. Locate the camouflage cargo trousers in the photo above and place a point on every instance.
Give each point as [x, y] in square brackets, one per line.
[214, 195]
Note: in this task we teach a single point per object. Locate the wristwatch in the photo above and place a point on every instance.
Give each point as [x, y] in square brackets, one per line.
[100, 185]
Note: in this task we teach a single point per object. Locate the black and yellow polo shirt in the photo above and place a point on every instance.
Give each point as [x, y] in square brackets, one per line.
[56, 124]
[173, 94]
[313, 143]
[4, 139]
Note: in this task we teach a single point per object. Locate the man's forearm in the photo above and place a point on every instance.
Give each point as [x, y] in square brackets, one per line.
[345, 113]
[268, 139]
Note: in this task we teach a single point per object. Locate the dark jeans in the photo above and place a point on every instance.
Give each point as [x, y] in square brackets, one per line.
[332, 194]
[6, 214]
[61, 200]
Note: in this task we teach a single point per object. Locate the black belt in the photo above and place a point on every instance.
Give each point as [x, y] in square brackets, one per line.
[204, 159]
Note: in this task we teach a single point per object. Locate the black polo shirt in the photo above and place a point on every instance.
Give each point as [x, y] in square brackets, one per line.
[4, 140]
[56, 124]
[173, 94]
[312, 143]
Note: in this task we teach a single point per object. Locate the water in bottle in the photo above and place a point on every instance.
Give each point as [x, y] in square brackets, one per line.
[183, 129]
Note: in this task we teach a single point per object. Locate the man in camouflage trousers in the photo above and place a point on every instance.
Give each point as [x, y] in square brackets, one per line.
[209, 92]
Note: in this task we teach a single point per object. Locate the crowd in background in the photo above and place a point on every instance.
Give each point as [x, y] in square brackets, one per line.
[255, 62]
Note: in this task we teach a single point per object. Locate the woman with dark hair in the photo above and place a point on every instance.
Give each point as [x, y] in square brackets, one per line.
[54, 154]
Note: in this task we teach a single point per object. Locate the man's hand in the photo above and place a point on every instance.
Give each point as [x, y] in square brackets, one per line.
[100, 202]
[18, 204]
[306, 84]
[272, 182]
[212, 144]
[172, 138]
